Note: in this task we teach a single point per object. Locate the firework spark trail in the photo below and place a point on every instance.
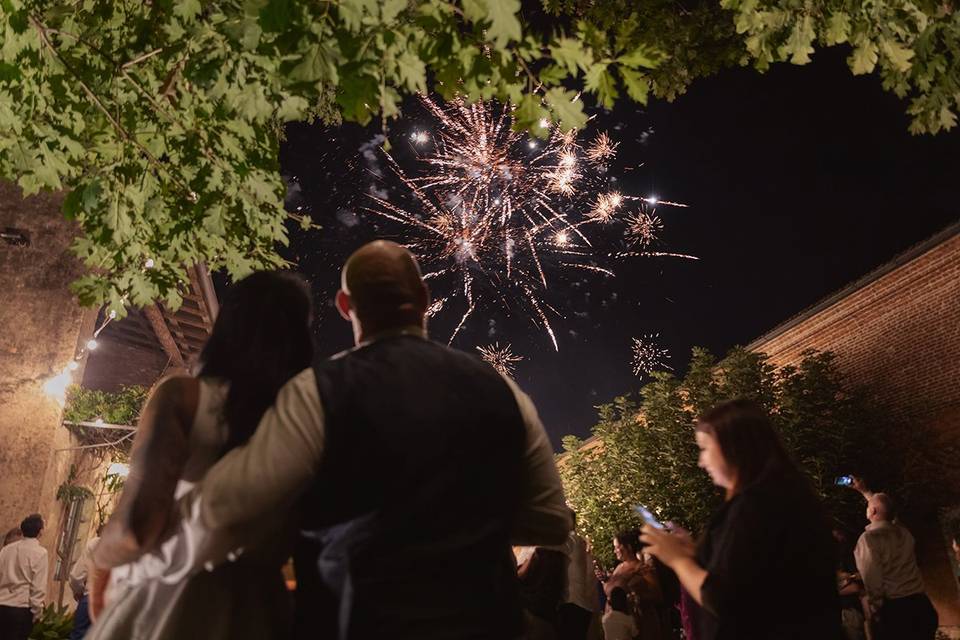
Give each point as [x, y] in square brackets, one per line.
[501, 358]
[648, 355]
[501, 214]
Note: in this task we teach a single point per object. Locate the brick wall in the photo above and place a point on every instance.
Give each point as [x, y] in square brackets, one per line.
[42, 324]
[897, 332]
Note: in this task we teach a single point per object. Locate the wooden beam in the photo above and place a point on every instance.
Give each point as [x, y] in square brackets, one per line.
[162, 331]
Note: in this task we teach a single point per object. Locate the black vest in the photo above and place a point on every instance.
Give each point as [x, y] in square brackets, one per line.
[405, 531]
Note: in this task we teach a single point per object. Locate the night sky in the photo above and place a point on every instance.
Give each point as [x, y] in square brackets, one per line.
[798, 181]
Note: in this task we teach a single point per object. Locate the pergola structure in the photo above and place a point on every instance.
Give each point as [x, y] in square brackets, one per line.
[179, 334]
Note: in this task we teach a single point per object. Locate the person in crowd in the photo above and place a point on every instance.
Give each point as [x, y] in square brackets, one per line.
[12, 536]
[638, 578]
[260, 339]
[542, 577]
[850, 589]
[580, 598]
[23, 581]
[618, 621]
[888, 568]
[765, 566]
[413, 466]
[78, 585]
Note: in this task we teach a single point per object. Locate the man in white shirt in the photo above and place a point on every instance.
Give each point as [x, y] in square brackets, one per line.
[888, 567]
[415, 465]
[80, 588]
[580, 601]
[23, 581]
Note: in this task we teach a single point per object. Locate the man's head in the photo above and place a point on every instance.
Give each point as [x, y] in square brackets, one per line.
[32, 525]
[881, 508]
[381, 288]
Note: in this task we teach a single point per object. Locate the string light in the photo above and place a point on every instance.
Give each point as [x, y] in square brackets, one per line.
[56, 387]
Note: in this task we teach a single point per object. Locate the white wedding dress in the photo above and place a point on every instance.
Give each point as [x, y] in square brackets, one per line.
[199, 583]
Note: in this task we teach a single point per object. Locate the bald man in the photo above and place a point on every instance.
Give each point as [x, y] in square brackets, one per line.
[413, 467]
[888, 567]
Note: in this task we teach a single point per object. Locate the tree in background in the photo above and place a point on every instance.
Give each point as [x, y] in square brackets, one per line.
[644, 452]
[163, 119]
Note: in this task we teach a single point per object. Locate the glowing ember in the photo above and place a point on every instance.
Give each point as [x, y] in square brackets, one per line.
[501, 358]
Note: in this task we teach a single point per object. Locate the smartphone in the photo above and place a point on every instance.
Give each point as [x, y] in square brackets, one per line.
[649, 518]
[845, 481]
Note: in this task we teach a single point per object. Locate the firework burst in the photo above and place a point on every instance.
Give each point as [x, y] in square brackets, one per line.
[497, 215]
[648, 355]
[500, 358]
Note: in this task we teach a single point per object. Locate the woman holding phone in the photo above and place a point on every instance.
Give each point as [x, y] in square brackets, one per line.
[764, 566]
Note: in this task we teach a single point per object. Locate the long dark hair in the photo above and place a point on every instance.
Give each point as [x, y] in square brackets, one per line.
[747, 439]
[260, 340]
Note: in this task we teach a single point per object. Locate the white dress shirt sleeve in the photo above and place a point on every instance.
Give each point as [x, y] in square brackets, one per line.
[275, 466]
[543, 517]
[38, 585]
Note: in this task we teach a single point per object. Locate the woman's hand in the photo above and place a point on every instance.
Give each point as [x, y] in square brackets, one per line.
[667, 547]
[98, 580]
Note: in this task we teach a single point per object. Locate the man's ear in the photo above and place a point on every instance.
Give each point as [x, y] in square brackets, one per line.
[342, 301]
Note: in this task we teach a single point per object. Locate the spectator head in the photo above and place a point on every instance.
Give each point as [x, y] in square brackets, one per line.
[626, 544]
[618, 600]
[381, 288]
[32, 525]
[881, 508]
[261, 339]
[12, 536]
[738, 445]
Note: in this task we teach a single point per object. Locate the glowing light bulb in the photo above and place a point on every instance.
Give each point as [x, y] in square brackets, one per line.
[113, 314]
[92, 344]
[544, 123]
[73, 365]
[653, 200]
[56, 387]
[532, 144]
[149, 263]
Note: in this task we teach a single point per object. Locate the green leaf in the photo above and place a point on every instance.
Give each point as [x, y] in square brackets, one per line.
[799, 45]
[552, 74]
[412, 71]
[293, 108]
[599, 81]
[390, 9]
[571, 54]
[567, 108]
[352, 12]
[838, 28]
[187, 9]
[276, 15]
[504, 24]
[636, 84]
[864, 58]
[357, 92]
[639, 57]
[527, 115]
[898, 55]
[317, 64]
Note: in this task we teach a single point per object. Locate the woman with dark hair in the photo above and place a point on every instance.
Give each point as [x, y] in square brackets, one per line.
[764, 567]
[159, 587]
[639, 580]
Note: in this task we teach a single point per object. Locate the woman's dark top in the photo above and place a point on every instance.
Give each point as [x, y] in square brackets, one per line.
[770, 561]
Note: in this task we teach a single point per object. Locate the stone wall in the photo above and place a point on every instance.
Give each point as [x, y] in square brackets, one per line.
[897, 333]
[41, 325]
